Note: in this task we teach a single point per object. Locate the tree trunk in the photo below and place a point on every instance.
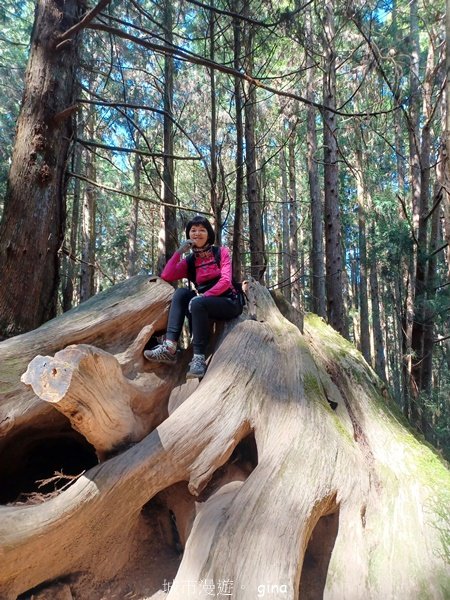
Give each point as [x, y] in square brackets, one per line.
[421, 284]
[32, 226]
[88, 229]
[216, 206]
[362, 243]
[298, 447]
[294, 263]
[285, 227]
[317, 218]
[134, 220]
[379, 353]
[169, 241]
[333, 248]
[238, 217]
[258, 260]
[446, 190]
[71, 271]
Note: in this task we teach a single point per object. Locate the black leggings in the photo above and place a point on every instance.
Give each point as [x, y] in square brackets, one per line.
[203, 309]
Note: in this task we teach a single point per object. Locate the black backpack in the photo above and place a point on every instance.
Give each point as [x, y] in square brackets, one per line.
[192, 276]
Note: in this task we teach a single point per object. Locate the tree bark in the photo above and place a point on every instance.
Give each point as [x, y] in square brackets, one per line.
[88, 225]
[422, 312]
[294, 262]
[317, 217]
[447, 139]
[70, 270]
[379, 352]
[33, 221]
[362, 243]
[216, 204]
[238, 213]
[134, 220]
[317, 487]
[285, 228]
[169, 236]
[258, 259]
[333, 249]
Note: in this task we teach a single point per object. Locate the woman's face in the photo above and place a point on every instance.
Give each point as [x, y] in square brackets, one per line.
[199, 235]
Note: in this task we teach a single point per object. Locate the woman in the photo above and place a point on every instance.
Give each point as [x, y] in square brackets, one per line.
[215, 297]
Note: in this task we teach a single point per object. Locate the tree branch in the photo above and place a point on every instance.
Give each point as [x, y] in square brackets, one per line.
[134, 196]
[199, 60]
[135, 151]
[81, 24]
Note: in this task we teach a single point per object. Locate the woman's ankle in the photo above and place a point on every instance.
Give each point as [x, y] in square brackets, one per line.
[171, 346]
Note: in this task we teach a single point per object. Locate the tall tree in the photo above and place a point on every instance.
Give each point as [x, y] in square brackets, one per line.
[88, 218]
[294, 263]
[168, 235]
[239, 160]
[361, 187]
[286, 277]
[333, 247]
[257, 253]
[216, 205]
[33, 221]
[70, 270]
[134, 219]
[317, 218]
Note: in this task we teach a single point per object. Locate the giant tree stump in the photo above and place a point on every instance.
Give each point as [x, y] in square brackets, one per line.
[294, 499]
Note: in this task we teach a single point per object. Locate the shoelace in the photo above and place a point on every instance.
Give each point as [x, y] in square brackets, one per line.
[197, 361]
[161, 351]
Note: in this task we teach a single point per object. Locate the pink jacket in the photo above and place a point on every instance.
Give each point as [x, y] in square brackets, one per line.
[205, 268]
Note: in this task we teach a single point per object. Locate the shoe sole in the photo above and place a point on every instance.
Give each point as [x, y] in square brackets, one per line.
[194, 376]
[159, 361]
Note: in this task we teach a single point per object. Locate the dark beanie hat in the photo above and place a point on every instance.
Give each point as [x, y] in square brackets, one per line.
[199, 220]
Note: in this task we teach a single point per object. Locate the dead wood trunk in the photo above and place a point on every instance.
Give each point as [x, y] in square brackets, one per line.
[289, 492]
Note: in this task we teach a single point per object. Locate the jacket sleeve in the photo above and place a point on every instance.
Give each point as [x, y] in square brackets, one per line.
[176, 268]
[224, 283]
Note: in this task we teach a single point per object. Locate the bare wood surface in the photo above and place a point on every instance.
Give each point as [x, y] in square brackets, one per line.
[387, 491]
[111, 321]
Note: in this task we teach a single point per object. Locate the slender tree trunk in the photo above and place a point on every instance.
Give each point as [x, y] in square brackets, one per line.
[285, 227]
[415, 186]
[294, 263]
[317, 217]
[87, 287]
[69, 286]
[257, 254]
[379, 353]
[446, 174]
[362, 242]
[134, 220]
[421, 285]
[428, 338]
[215, 201]
[169, 242]
[333, 248]
[238, 216]
[33, 220]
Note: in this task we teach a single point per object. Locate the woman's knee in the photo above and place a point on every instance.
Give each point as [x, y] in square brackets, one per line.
[199, 304]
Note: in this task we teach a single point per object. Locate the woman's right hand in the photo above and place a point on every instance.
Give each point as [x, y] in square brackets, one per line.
[185, 246]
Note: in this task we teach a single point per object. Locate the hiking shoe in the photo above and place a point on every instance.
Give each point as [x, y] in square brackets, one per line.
[161, 354]
[197, 367]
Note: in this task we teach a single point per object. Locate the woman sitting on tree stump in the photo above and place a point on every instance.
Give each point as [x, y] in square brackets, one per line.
[209, 269]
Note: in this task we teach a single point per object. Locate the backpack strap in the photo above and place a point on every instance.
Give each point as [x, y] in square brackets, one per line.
[190, 261]
[191, 268]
